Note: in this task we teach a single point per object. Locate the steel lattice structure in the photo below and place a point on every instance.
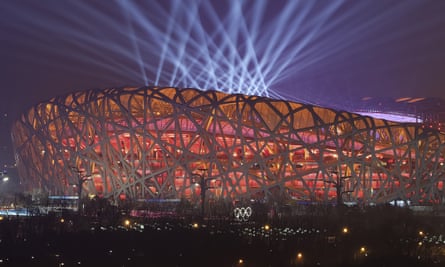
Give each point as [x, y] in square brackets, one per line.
[155, 142]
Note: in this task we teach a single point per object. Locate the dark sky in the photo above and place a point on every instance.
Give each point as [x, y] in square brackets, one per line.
[334, 51]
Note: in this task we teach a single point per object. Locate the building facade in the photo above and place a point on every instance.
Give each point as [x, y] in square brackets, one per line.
[170, 143]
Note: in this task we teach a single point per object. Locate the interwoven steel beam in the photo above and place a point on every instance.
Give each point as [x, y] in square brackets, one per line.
[153, 142]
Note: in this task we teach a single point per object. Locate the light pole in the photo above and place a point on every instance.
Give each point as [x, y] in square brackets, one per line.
[338, 184]
[81, 179]
[204, 187]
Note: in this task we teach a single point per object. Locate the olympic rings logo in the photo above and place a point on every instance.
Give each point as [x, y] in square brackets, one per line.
[242, 214]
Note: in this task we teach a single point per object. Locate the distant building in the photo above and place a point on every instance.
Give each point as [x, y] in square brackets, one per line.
[154, 142]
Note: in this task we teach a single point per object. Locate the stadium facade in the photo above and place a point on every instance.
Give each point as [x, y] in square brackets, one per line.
[169, 143]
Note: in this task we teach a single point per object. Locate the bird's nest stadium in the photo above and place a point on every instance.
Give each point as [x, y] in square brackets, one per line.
[170, 143]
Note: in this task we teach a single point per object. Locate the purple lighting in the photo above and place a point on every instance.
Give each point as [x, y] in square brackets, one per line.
[393, 117]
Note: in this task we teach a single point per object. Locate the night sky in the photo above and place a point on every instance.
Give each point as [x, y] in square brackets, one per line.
[351, 49]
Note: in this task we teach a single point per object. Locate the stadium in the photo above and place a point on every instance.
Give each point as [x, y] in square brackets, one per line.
[170, 143]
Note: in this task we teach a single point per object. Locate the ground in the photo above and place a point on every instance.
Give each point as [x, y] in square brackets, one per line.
[378, 237]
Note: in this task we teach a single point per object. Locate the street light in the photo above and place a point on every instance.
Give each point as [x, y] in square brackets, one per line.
[81, 179]
[204, 187]
[299, 256]
[338, 184]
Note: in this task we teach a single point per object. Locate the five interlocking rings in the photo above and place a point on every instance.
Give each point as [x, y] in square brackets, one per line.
[242, 214]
